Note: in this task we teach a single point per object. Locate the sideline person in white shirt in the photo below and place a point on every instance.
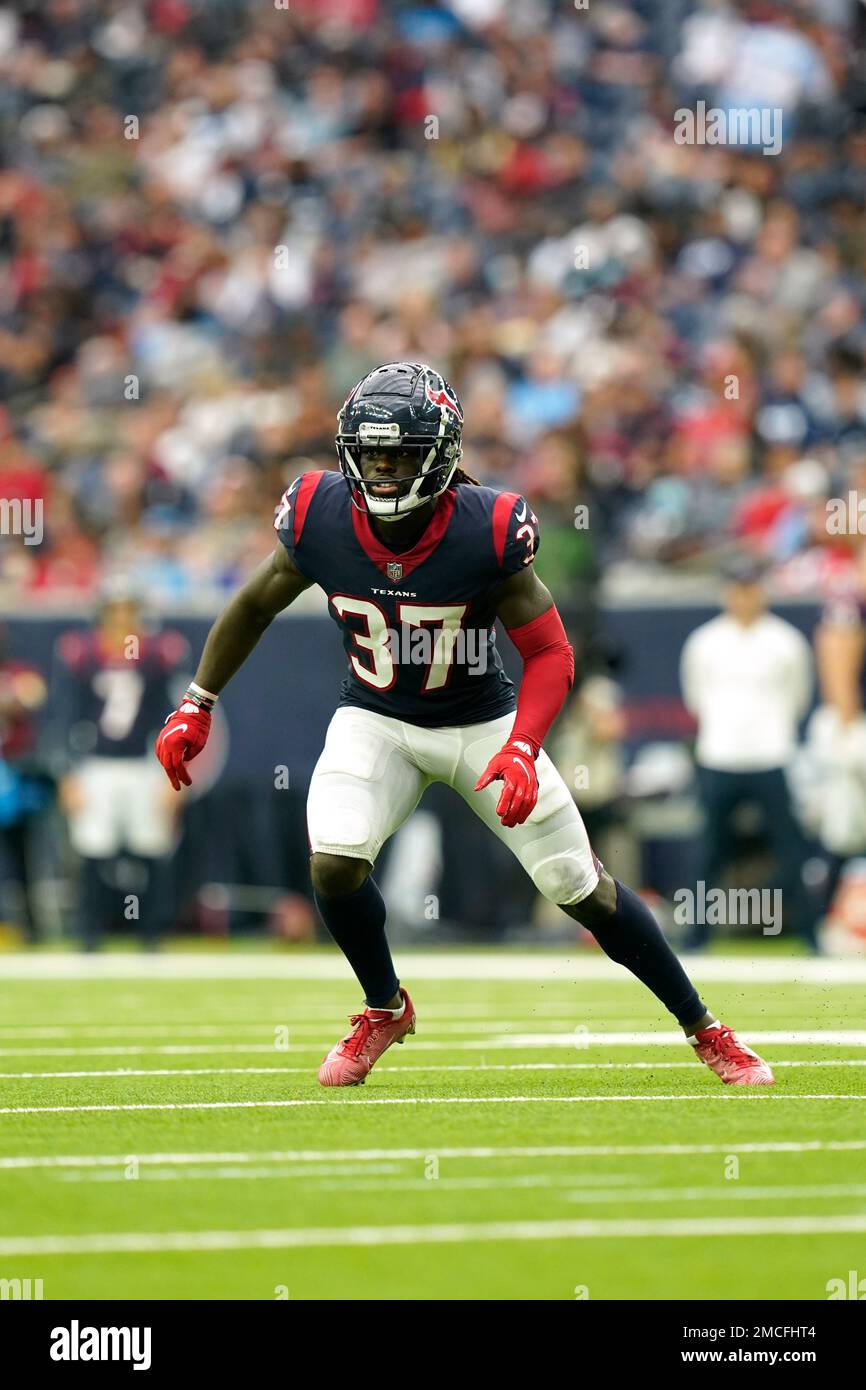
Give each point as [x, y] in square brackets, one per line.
[747, 678]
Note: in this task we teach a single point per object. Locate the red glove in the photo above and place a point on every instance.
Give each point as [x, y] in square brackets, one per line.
[514, 764]
[181, 739]
[548, 671]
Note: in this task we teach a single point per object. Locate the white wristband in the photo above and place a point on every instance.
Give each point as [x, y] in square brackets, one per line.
[199, 690]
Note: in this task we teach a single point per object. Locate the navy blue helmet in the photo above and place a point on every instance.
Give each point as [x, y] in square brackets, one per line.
[409, 407]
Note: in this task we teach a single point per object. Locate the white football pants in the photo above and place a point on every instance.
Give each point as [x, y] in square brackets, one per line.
[373, 770]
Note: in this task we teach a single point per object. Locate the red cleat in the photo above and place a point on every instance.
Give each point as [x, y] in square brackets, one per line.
[736, 1064]
[373, 1032]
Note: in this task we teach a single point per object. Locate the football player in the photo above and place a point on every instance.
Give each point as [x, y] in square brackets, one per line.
[113, 683]
[418, 561]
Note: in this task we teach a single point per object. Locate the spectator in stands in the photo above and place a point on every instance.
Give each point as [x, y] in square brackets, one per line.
[215, 217]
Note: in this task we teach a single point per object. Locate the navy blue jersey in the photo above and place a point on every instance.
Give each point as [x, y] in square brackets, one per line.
[112, 706]
[417, 626]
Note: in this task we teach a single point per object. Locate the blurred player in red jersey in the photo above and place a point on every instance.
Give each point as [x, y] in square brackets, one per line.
[114, 682]
[418, 562]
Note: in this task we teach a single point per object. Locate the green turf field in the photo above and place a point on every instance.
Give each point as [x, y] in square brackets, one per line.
[162, 1134]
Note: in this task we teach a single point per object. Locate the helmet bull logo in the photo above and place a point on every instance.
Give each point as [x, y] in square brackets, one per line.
[442, 398]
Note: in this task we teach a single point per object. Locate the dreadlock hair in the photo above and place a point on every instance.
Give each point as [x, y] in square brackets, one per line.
[461, 476]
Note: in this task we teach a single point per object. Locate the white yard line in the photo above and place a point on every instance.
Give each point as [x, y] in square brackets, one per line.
[577, 1040]
[756, 1093]
[721, 1191]
[423, 965]
[314, 1029]
[453, 1233]
[477, 1151]
[126, 1030]
[242, 1173]
[122, 1073]
[305, 1174]
[447, 1020]
[812, 1037]
[157, 1050]
[616, 1188]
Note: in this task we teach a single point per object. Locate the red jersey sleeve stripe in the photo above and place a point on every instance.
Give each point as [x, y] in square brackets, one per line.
[502, 509]
[306, 488]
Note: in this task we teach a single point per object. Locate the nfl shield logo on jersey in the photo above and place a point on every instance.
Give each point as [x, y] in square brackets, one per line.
[395, 571]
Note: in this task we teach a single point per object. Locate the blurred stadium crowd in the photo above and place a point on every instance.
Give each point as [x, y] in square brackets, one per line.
[216, 215]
